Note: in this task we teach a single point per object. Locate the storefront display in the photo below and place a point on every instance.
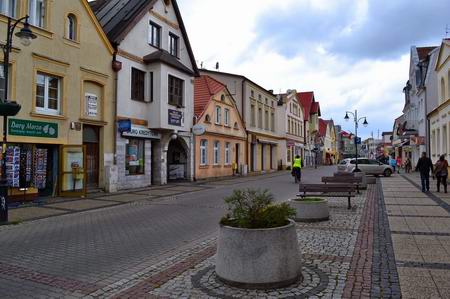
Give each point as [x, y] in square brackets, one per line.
[135, 157]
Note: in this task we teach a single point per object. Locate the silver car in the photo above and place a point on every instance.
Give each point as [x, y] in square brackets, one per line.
[369, 166]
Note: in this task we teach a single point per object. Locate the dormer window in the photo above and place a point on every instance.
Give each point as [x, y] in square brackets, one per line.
[173, 44]
[8, 8]
[154, 37]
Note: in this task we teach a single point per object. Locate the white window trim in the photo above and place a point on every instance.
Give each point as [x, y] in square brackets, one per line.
[6, 9]
[218, 118]
[32, 7]
[75, 29]
[203, 152]
[227, 116]
[216, 152]
[45, 109]
[227, 153]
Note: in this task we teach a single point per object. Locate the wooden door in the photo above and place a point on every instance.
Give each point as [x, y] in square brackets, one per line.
[92, 165]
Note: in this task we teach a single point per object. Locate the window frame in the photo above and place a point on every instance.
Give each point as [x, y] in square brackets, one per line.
[179, 98]
[227, 153]
[137, 93]
[46, 110]
[152, 25]
[218, 115]
[203, 152]
[141, 142]
[174, 44]
[7, 9]
[216, 158]
[260, 118]
[74, 18]
[32, 9]
[226, 116]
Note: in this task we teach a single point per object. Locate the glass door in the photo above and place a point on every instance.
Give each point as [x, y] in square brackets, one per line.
[72, 179]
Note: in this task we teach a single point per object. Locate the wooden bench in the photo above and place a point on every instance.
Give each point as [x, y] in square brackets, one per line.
[343, 180]
[328, 190]
[344, 174]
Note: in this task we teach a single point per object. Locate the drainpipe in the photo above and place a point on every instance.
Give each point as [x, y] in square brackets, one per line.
[115, 97]
[245, 125]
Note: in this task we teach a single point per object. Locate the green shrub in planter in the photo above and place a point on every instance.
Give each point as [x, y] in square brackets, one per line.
[255, 209]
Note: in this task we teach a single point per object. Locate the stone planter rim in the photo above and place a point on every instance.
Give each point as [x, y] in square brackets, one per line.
[310, 202]
[291, 223]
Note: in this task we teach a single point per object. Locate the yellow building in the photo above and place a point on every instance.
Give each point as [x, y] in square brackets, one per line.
[65, 84]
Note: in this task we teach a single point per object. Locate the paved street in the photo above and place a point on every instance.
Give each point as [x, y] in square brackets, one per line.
[394, 242]
[81, 252]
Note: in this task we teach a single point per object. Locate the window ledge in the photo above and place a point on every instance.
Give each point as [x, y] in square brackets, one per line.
[204, 167]
[227, 166]
[70, 42]
[217, 166]
[49, 116]
[37, 30]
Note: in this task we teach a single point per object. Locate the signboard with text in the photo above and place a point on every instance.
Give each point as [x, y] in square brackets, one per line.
[175, 118]
[91, 105]
[141, 132]
[29, 128]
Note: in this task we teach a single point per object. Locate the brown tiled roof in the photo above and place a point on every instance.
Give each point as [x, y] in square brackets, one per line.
[323, 127]
[205, 87]
[423, 52]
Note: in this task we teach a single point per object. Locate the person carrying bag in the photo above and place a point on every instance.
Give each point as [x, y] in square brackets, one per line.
[441, 173]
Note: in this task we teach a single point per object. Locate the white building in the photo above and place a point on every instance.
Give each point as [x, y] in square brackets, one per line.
[155, 90]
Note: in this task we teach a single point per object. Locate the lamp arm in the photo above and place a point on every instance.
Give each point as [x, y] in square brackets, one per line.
[361, 118]
[11, 28]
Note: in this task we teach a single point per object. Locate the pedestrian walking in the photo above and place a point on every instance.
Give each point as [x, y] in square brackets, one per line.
[441, 173]
[408, 165]
[393, 163]
[399, 164]
[297, 169]
[424, 166]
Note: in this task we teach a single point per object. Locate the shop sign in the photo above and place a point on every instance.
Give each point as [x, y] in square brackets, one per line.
[417, 140]
[124, 125]
[198, 130]
[91, 105]
[21, 127]
[290, 143]
[141, 132]
[175, 117]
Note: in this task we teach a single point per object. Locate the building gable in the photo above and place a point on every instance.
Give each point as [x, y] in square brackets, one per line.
[98, 27]
[444, 55]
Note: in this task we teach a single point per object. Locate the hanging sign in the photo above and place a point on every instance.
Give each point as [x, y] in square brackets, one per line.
[198, 130]
[29, 128]
[175, 118]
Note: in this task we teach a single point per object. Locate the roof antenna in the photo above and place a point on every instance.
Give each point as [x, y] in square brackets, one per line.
[447, 30]
[217, 65]
[201, 65]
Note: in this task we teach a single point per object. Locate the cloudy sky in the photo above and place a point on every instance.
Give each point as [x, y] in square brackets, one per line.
[354, 54]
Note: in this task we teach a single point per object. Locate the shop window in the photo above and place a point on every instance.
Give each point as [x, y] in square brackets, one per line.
[227, 117]
[135, 157]
[37, 12]
[48, 94]
[137, 85]
[154, 37]
[227, 153]
[218, 120]
[175, 91]
[173, 44]
[216, 153]
[72, 27]
[203, 152]
[8, 8]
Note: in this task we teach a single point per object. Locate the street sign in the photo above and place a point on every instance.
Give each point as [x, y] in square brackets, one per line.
[198, 130]
[358, 140]
[124, 125]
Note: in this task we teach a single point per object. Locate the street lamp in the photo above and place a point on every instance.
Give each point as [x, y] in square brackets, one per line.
[8, 108]
[356, 120]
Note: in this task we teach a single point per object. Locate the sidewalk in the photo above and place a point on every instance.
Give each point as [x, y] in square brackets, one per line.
[50, 207]
[420, 229]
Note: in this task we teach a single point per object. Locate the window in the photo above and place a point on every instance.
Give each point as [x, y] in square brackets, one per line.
[222, 98]
[137, 85]
[8, 8]
[151, 87]
[173, 44]
[48, 94]
[259, 97]
[260, 116]
[37, 12]
[227, 117]
[272, 122]
[267, 101]
[71, 29]
[134, 164]
[154, 35]
[218, 115]
[175, 91]
[216, 153]
[266, 120]
[442, 90]
[204, 152]
[207, 118]
[227, 153]
[289, 125]
[253, 116]
[252, 93]
[2, 82]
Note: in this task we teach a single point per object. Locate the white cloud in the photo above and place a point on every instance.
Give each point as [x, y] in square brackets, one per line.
[225, 32]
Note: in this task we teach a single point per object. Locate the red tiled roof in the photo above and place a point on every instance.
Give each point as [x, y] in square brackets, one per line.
[323, 127]
[204, 88]
[423, 51]
[315, 107]
[306, 99]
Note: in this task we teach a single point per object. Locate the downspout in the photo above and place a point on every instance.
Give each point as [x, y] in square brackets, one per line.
[245, 124]
[115, 96]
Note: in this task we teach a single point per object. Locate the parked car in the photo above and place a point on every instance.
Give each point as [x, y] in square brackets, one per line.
[369, 166]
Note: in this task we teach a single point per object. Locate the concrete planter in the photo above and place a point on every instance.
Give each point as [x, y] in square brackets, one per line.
[258, 258]
[363, 185]
[310, 211]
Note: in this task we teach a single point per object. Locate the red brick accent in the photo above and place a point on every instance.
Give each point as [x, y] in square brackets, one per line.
[359, 277]
[71, 285]
[142, 289]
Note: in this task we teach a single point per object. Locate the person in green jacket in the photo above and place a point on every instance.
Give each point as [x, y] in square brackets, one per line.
[297, 169]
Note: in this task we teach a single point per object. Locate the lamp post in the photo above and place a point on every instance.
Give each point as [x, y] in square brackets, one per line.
[8, 108]
[356, 120]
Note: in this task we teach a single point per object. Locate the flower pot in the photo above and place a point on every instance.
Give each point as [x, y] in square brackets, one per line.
[310, 211]
[258, 258]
